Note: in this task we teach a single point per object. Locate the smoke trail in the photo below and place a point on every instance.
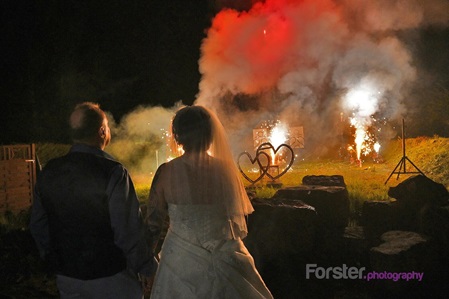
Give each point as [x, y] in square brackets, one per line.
[139, 141]
[299, 60]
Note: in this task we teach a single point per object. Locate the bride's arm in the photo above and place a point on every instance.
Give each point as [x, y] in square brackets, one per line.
[156, 209]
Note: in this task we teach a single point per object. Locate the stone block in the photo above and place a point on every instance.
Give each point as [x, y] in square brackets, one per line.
[330, 202]
[280, 226]
[324, 180]
[377, 218]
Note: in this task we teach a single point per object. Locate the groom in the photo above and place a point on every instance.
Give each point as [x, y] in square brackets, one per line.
[86, 219]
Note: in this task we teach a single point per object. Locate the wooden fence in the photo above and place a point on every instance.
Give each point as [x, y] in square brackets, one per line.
[17, 177]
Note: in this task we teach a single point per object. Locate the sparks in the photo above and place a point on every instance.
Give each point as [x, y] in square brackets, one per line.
[363, 101]
[278, 136]
[376, 147]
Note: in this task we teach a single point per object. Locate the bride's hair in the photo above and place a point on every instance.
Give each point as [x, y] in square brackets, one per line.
[198, 129]
[192, 128]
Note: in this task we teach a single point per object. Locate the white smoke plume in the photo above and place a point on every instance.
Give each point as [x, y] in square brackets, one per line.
[140, 139]
[298, 60]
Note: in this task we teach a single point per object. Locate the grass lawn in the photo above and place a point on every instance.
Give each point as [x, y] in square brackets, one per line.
[429, 154]
[365, 183]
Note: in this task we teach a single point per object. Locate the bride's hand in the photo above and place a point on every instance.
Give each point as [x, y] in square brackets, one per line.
[147, 284]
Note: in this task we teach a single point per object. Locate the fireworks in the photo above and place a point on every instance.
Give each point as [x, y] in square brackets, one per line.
[275, 133]
[363, 102]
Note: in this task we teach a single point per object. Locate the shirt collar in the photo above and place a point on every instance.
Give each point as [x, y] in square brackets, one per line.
[84, 148]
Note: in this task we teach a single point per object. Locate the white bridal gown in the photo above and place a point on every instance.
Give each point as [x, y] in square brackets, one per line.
[201, 257]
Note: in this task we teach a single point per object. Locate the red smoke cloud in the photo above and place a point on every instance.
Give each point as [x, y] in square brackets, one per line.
[261, 42]
[299, 58]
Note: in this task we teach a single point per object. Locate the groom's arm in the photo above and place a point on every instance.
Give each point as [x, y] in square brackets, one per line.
[127, 223]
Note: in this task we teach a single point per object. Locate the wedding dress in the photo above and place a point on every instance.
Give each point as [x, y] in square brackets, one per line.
[195, 264]
[202, 255]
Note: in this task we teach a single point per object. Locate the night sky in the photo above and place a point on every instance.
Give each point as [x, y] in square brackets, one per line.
[121, 54]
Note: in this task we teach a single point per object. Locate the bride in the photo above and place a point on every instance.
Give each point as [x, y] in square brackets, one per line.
[203, 255]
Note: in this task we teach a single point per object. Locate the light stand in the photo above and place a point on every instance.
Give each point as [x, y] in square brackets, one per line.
[401, 165]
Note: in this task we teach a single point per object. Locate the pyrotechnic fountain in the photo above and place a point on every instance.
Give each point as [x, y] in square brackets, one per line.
[306, 54]
[290, 59]
[277, 137]
[363, 102]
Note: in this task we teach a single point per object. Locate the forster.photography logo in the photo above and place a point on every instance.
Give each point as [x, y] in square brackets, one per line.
[345, 272]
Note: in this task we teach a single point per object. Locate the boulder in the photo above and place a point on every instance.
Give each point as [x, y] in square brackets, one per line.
[400, 252]
[419, 190]
[281, 238]
[414, 195]
[355, 247]
[434, 223]
[377, 218]
[280, 226]
[324, 180]
[330, 202]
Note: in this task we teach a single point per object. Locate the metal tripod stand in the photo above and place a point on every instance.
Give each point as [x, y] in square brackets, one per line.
[402, 163]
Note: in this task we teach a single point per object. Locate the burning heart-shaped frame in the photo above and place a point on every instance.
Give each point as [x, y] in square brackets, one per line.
[269, 146]
[263, 168]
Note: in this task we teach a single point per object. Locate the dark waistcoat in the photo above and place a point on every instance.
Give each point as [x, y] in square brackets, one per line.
[73, 192]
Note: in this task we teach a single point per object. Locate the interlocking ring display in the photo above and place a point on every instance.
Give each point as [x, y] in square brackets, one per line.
[264, 167]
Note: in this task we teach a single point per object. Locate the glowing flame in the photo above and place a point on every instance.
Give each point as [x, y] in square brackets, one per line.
[360, 136]
[364, 140]
[376, 147]
[278, 136]
[363, 101]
